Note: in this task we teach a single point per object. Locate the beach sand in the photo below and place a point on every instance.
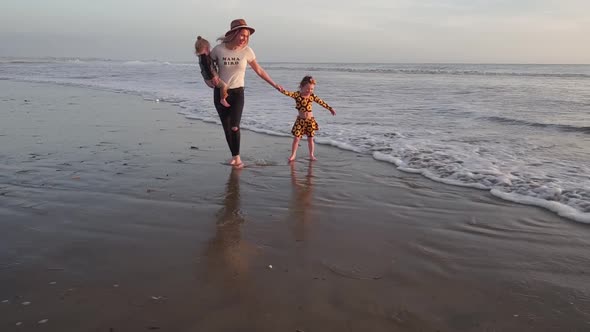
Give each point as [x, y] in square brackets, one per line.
[119, 214]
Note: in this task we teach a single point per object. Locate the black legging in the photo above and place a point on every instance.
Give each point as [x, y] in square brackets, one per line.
[231, 116]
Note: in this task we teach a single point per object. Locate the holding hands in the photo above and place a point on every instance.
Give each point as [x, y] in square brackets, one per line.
[212, 83]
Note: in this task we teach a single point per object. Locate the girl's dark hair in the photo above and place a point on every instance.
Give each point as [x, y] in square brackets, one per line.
[307, 80]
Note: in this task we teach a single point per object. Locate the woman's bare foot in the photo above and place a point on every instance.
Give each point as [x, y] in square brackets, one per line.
[224, 102]
[292, 157]
[312, 157]
[236, 161]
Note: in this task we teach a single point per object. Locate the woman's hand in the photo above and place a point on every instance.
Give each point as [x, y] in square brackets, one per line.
[280, 88]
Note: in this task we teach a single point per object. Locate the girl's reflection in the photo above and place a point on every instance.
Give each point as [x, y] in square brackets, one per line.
[302, 201]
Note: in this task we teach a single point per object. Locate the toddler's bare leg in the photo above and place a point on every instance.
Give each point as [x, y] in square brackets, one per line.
[223, 89]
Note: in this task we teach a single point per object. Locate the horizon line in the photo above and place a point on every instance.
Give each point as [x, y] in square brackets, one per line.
[301, 62]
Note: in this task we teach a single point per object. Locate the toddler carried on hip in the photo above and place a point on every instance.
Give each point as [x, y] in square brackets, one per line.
[208, 70]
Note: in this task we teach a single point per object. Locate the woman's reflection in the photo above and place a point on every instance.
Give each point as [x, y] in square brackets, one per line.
[227, 254]
[302, 201]
[228, 289]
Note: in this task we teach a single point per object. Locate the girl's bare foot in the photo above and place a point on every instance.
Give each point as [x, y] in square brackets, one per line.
[312, 157]
[292, 157]
[224, 102]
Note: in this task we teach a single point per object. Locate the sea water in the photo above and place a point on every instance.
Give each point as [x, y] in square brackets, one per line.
[521, 132]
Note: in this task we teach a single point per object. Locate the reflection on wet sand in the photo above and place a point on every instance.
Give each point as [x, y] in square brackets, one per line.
[228, 255]
[228, 283]
[302, 201]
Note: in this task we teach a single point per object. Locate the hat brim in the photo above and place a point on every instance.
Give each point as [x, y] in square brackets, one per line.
[252, 30]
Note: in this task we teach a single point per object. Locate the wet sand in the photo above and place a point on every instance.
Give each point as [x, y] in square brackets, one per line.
[119, 214]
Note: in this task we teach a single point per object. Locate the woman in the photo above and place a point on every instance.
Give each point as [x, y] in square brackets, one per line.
[232, 55]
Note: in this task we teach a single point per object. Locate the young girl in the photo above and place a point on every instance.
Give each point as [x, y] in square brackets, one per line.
[305, 122]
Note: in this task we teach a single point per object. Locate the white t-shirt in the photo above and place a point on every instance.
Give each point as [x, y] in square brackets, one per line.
[232, 64]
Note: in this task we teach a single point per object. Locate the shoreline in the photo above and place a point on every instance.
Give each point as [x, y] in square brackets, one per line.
[119, 213]
[562, 201]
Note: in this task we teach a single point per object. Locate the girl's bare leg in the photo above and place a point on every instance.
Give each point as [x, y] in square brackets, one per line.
[311, 146]
[294, 147]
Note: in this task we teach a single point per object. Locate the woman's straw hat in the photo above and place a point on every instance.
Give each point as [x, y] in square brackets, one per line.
[239, 23]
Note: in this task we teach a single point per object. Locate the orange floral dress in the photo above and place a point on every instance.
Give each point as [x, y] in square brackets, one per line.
[307, 126]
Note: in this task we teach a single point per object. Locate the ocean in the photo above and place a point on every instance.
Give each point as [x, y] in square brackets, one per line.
[521, 132]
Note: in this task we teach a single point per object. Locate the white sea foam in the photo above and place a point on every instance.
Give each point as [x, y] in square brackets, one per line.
[265, 131]
[338, 144]
[560, 209]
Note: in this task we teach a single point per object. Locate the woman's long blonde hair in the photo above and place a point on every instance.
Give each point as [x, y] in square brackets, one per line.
[231, 36]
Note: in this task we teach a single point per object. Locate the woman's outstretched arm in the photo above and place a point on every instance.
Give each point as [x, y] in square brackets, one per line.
[263, 74]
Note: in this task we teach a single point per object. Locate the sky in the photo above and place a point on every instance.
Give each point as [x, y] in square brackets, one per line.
[385, 31]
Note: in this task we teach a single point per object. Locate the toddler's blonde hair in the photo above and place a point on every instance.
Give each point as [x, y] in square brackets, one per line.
[201, 44]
